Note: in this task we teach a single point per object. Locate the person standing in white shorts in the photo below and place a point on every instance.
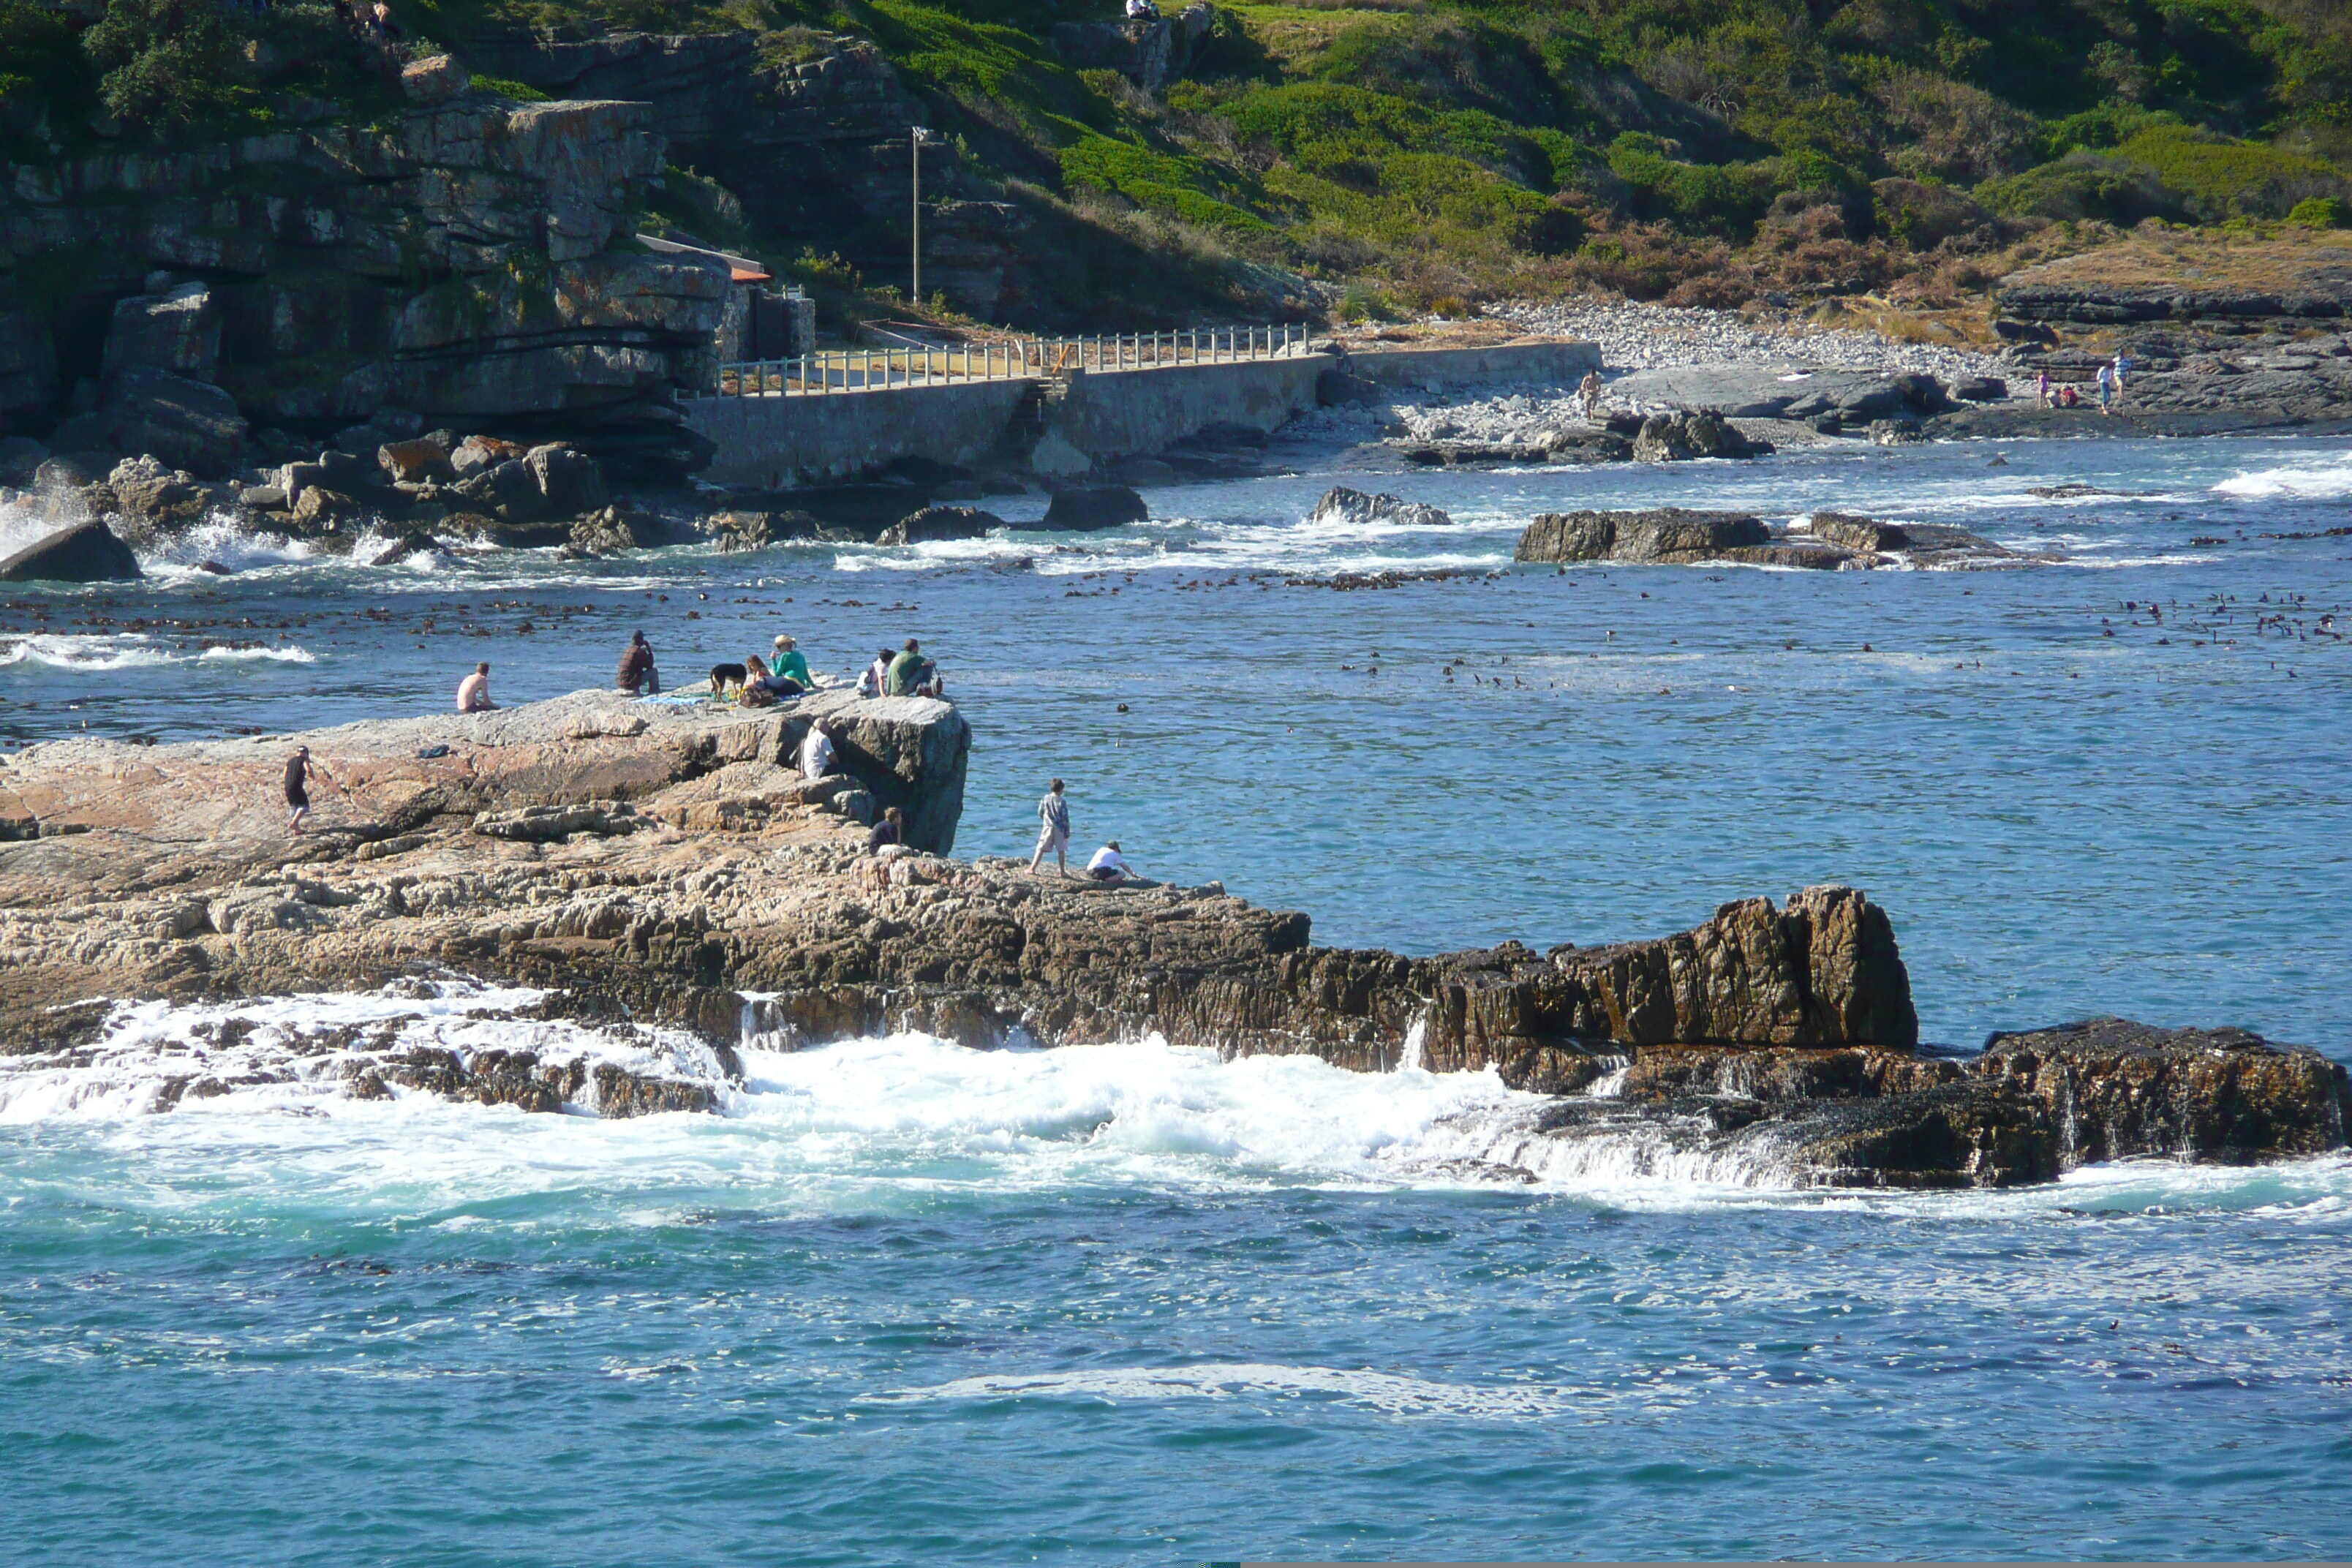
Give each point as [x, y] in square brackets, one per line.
[1053, 830]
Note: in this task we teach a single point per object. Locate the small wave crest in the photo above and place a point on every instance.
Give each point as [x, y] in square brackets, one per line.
[93, 652]
[2323, 481]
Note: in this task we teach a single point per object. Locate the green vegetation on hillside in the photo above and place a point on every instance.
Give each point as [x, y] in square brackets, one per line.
[1432, 151]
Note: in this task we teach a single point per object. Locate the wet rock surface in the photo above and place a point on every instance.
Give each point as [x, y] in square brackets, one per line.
[668, 870]
[84, 553]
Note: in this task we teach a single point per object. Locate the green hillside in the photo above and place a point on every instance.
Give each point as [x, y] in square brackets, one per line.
[1419, 153]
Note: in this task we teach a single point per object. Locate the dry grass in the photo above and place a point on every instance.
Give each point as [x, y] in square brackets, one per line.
[2286, 258]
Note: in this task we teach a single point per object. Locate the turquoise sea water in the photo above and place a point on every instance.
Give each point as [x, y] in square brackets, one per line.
[907, 1301]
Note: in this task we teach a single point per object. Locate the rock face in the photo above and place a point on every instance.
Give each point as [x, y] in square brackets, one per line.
[1355, 509]
[465, 260]
[672, 871]
[86, 553]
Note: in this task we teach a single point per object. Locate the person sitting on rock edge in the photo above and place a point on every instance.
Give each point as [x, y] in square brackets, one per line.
[1108, 865]
[300, 769]
[892, 830]
[789, 662]
[905, 671]
[817, 755]
[474, 691]
[637, 671]
[1053, 829]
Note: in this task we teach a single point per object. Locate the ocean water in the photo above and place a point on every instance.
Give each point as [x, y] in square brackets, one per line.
[909, 1301]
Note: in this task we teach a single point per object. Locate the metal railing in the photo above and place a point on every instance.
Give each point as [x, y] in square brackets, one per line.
[1004, 359]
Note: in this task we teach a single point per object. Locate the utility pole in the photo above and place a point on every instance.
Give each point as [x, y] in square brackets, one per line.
[915, 146]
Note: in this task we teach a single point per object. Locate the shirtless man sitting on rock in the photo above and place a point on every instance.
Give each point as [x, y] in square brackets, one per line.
[474, 691]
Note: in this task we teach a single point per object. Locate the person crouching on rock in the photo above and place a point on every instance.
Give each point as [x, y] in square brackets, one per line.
[817, 755]
[300, 771]
[637, 671]
[1108, 865]
[890, 830]
[474, 691]
[1053, 830]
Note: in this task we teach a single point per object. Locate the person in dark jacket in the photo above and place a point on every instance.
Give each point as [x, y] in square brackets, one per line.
[637, 669]
[892, 830]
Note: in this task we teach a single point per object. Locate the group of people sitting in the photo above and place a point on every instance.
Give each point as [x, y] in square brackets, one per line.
[761, 682]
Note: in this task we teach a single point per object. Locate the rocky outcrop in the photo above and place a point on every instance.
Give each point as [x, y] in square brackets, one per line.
[1355, 509]
[1669, 534]
[1827, 541]
[86, 553]
[668, 868]
[1682, 438]
[1149, 51]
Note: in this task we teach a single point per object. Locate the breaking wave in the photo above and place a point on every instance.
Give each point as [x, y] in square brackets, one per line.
[2324, 481]
[289, 1101]
[91, 652]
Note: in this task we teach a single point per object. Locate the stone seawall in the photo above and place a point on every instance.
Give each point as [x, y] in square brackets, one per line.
[776, 442]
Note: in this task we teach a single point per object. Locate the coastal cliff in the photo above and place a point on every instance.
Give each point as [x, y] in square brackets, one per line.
[650, 867]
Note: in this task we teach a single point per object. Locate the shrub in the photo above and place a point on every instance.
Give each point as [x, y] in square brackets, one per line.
[1162, 181]
[1720, 198]
[2223, 177]
[2321, 212]
[172, 64]
[520, 91]
[2084, 185]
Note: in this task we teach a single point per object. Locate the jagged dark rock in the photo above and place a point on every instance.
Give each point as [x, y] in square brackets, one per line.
[1669, 534]
[1086, 508]
[941, 522]
[1356, 509]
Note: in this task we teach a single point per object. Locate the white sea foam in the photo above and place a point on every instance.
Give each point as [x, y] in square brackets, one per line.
[91, 652]
[2322, 481]
[1386, 1392]
[203, 1118]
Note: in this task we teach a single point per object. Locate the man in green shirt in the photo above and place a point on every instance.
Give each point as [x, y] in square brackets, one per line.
[905, 671]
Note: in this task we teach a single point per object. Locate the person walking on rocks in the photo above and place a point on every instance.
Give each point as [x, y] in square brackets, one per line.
[637, 671]
[474, 691]
[1053, 830]
[300, 771]
[2107, 389]
[1590, 390]
[2123, 364]
[2041, 387]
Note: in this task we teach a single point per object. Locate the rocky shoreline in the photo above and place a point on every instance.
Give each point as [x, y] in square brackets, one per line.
[660, 878]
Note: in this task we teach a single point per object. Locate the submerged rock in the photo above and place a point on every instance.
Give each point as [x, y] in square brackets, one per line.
[934, 522]
[85, 552]
[1086, 508]
[1358, 509]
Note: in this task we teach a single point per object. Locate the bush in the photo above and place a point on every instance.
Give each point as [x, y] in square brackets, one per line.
[2321, 212]
[2084, 185]
[520, 91]
[2224, 178]
[1719, 198]
[1162, 181]
[172, 64]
